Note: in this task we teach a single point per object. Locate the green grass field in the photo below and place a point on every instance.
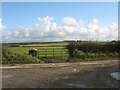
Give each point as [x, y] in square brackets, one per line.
[45, 49]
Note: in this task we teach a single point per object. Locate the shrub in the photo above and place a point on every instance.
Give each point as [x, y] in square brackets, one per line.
[6, 52]
[90, 47]
[102, 55]
[51, 59]
[97, 55]
[116, 54]
[80, 54]
[71, 49]
[15, 45]
[91, 55]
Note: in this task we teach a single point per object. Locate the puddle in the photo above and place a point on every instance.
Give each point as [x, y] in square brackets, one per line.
[76, 85]
[7, 76]
[116, 75]
[72, 85]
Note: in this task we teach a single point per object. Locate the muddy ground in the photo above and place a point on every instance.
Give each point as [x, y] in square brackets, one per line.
[92, 74]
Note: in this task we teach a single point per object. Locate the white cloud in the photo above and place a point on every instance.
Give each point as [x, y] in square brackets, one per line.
[70, 21]
[16, 33]
[114, 26]
[94, 24]
[71, 29]
[2, 27]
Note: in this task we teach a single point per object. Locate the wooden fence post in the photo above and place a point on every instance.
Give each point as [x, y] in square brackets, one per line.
[53, 54]
[45, 52]
[61, 54]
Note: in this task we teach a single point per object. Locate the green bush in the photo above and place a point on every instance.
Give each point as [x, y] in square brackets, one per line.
[91, 55]
[116, 54]
[15, 45]
[51, 59]
[80, 54]
[6, 52]
[71, 49]
[90, 47]
[102, 55]
[97, 55]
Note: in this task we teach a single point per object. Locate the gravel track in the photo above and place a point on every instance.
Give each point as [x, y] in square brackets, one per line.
[91, 74]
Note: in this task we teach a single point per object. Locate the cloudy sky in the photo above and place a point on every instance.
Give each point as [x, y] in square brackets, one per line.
[50, 21]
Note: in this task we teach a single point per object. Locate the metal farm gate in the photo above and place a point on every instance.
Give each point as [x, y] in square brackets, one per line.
[54, 54]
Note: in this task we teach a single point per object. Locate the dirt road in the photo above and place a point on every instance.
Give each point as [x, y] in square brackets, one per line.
[92, 74]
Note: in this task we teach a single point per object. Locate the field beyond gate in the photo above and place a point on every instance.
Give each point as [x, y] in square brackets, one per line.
[50, 53]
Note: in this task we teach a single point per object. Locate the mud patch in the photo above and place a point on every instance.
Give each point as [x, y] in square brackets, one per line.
[7, 76]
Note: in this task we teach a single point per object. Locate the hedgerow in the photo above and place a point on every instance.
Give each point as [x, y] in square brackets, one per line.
[88, 51]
